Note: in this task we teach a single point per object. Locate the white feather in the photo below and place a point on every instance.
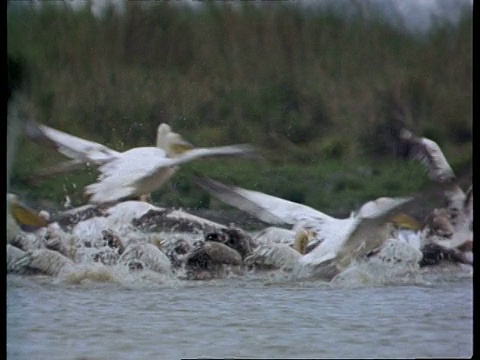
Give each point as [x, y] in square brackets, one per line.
[45, 261]
[148, 254]
[341, 239]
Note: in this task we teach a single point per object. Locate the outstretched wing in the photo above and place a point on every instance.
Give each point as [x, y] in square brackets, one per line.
[431, 156]
[267, 208]
[372, 228]
[354, 237]
[71, 146]
[145, 169]
[242, 150]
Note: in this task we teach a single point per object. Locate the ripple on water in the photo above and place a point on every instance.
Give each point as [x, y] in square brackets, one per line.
[149, 316]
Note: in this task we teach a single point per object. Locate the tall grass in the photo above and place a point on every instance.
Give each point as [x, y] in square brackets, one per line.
[307, 89]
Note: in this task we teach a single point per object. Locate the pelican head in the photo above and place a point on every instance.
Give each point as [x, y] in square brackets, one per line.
[162, 131]
[171, 142]
[44, 214]
[176, 145]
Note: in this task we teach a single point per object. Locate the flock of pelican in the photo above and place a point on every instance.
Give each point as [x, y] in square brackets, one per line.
[120, 229]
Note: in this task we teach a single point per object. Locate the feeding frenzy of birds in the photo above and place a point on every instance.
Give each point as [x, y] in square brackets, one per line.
[116, 233]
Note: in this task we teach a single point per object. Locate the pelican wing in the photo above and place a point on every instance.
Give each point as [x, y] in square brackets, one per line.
[45, 261]
[129, 173]
[372, 227]
[275, 234]
[241, 150]
[143, 170]
[345, 239]
[60, 168]
[71, 146]
[431, 156]
[267, 208]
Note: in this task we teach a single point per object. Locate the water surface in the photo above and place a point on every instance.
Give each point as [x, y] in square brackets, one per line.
[254, 318]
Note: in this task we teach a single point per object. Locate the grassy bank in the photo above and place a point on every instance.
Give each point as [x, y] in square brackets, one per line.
[319, 95]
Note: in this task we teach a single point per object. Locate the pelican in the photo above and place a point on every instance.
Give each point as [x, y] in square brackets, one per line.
[234, 238]
[279, 255]
[44, 261]
[176, 251]
[57, 239]
[171, 142]
[132, 173]
[448, 231]
[206, 260]
[147, 255]
[458, 203]
[144, 170]
[83, 152]
[341, 240]
[140, 215]
[285, 236]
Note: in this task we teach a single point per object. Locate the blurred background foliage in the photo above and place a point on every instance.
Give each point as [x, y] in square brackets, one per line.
[321, 95]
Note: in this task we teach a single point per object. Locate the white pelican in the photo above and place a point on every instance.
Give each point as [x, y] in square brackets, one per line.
[285, 236]
[448, 229]
[44, 261]
[207, 260]
[429, 154]
[88, 152]
[202, 259]
[172, 143]
[81, 151]
[234, 238]
[149, 255]
[144, 170]
[275, 255]
[132, 173]
[137, 214]
[57, 239]
[341, 240]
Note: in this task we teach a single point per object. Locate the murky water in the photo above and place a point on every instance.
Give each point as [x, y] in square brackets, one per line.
[261, 318]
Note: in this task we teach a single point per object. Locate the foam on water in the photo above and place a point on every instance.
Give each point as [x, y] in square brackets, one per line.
[396, 263]
[94, 273]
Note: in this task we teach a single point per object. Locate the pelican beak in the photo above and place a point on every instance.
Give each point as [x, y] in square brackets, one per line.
[405, 221]
[180, 148]
[26, 217]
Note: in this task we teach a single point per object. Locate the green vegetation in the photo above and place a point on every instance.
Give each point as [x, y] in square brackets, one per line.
[318, 94]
